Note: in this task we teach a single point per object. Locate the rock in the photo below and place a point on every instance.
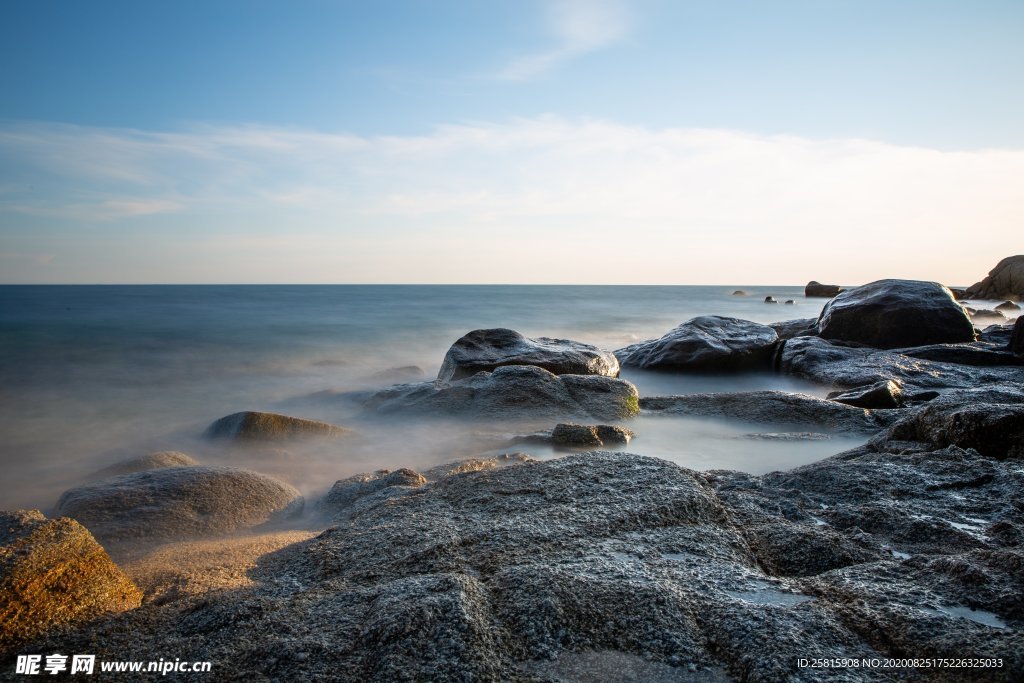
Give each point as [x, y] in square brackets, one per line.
[256, 426]
[961, 354]
[772, 407]
[816, 289]
[54, 573]
[986, 316]
[706, 344]
[660, 571]
[1005, 281]
[886, 394]
[153, 461]
[1008, 307]
[512, 391]
[589, 436]
[179, 502]
[487, 350]
[1016, 343]
[346, 492]
[995, 430]
[795, 328]
[770, 300]
[890, 314]
[739, 292]
[847, 367]
[790, 302]
[482, 464]
[958, 293]
[996, 336]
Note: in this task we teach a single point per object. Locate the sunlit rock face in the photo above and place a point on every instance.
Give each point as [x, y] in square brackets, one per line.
[890, 314]
[54, 573]
[487, 350]
[708, 343]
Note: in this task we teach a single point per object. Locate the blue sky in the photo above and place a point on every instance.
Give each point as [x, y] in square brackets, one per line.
[674, 142]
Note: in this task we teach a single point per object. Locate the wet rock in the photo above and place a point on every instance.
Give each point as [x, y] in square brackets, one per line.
[487, 350]
[771, 300]
[152, 461]
[251, 426]
[773, 407]
[995, 430]
[848, 367]
[816, 289]
[890, 314]
[790, 302]
[706, 344]
[482, 464]
[179, 502]
[1016, 343]
[996, 336]
[1008, 307]
[512, 391]
[589, 436]
[739, 292]
[986, 316]
[801, 327]
[886, 394]
[1005, 281]
[961, 354]
[53, 573]
[958, 293]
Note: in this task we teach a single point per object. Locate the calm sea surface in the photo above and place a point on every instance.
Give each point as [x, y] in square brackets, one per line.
[92, 374]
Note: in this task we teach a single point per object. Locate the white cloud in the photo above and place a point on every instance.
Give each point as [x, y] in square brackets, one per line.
[533, 200]
[578, 27]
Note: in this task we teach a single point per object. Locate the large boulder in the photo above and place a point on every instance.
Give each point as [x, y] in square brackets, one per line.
[709, 343]
[256, 426]
[487, 350]
[1005, 281]
[513, 391]
[179, 502]
[889, 314]
[54, 573]
[816, 289]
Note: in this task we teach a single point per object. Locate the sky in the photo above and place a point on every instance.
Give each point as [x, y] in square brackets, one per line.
[528, 141]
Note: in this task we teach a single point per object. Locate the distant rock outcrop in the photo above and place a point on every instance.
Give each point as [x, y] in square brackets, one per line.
[487, 350]
[179, 502]
[890, 314]
[1005, 281]
[816, 289]
[54, 573]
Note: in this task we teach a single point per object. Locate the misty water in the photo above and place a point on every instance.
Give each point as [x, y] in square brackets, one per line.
[93, 375]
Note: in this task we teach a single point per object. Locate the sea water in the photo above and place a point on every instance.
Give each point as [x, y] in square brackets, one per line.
[92, 374]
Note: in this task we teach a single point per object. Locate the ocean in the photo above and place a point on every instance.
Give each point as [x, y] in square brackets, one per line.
[93, 374]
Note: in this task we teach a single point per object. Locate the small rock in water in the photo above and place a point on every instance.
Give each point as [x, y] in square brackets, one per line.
[153, 461]
[589, 436]
[790, 302]
[1008, 307]
[739, 292]
[771, 300]
[816, 289]
[256, 426]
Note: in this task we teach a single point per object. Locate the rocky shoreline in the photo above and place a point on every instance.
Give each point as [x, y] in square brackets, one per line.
[598, 565]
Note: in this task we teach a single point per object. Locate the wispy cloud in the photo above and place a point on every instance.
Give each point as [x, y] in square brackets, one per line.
[578, 27]
[642, 204]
